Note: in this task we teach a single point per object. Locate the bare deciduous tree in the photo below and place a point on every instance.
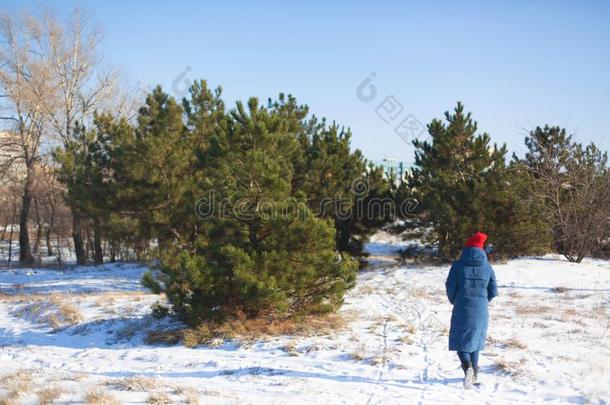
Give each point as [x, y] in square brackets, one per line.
[83, 86]
[52, 79]
[574, 183]
[25, 82]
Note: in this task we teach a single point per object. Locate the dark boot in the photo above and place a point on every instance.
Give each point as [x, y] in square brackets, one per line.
[475, 374]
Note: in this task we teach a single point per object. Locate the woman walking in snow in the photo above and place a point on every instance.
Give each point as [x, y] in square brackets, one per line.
[470, 286]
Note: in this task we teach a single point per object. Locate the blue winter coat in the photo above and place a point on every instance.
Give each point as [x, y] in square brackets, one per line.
[471, 284]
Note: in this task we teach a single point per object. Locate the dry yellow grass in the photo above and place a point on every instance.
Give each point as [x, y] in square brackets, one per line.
[360, 353]
[206, 334]
[97, 396]
[47, 395]
[367, 289]
[501, 315]
[379, 360]
[136, 383]
[66, 314]
[132, 327]
[407, 339]
[291, 348]
[523, 309]
[158, 398]
[570, 312]
[574, 316]
[392, 318]
[8, 401]
[6, 297]
[190, 394]
[420, 292]
[248, 330]
[164, 337]
[515, 343]
[376, 325]
[103, 297]
[17, 383]
[512, 368]
[513, 294]
[54, 310]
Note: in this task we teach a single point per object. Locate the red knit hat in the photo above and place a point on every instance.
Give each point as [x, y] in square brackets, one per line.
[476, 240]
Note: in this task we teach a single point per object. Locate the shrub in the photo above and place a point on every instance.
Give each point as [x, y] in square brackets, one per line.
[296, 270]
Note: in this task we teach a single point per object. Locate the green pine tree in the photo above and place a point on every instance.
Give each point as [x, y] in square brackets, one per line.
[341, 186]
[259, 249]
[463, 185]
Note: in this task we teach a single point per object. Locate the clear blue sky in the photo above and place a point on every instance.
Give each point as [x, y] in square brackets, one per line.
[514, 64]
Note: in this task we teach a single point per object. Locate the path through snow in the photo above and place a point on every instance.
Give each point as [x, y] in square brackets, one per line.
[548, 341]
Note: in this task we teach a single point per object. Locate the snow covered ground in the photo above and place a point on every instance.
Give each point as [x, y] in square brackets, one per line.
[77, 336]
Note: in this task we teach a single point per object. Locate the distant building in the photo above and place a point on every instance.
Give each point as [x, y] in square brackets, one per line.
[394, 169]
[11, 166]
[8, 145]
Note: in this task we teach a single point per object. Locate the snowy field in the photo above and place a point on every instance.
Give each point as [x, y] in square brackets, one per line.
[77, 336]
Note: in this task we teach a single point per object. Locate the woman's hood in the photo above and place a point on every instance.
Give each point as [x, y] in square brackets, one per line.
[473, 256]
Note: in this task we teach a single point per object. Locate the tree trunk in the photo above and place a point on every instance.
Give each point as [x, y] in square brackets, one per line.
[4, 228]
[112, 253]
[49, 228]
[342, 237]
[10, 236]
[36, 247]
[48, 241]
[77, 237]
[98, 254]
[25, 253]
[88, 242]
